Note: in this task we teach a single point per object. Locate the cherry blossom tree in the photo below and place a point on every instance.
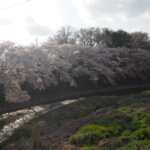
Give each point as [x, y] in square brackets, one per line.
[50, 65]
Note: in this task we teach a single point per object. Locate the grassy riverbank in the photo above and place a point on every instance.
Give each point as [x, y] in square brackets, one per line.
[94, 123]
[126, 127]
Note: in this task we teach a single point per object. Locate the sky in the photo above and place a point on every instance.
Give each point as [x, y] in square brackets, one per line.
[23, 21]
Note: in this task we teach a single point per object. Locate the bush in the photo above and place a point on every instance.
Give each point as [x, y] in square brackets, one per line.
[145, 122]
[89, 134]
[94, 148]
[141, 134]
[128, 109]
[115, 130]
[115, 118]
[124, 138]
[137, 145]
[133, 125]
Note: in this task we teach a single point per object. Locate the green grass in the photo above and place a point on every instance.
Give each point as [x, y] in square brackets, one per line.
[126, 122]
[129, 123]
[141, 134]
[126, 109]
[62, 115]
[90, 134]
[137, 145]
[24, 131]
[125, 128]
[94, 148]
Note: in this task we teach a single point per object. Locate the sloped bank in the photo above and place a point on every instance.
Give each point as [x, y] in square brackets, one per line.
[55, 127]
[40, 98]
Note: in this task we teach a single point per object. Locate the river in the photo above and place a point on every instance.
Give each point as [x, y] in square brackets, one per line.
[18, 118]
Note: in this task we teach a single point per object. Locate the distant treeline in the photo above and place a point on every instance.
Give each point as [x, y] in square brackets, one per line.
[101, 37]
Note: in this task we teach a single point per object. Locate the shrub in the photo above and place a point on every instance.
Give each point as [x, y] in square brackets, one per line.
[114, 130]
[94, 148]
[133, 125]
[145, 122]
[110, 143]
[128, 109]
[137, 145]
[89, 134]
[124, 138]
[92, 133]
[141, 134]
[115, 118]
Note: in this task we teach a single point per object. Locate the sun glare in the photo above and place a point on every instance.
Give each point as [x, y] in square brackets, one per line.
[16, 16]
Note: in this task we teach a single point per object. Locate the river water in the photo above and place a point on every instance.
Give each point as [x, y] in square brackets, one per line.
[25, 115]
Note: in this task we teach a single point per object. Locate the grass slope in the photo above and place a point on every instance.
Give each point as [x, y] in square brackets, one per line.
[127, 127]
[95, 123]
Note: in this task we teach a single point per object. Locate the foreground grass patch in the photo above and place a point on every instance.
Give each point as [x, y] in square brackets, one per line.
[89, 135]
[137, 145]
[94, 148]
[62, 115]
[127, 127]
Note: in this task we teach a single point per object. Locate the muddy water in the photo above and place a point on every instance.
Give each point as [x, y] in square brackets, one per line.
[23, 116]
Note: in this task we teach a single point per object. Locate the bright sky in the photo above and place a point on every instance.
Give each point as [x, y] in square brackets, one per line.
[41, 18]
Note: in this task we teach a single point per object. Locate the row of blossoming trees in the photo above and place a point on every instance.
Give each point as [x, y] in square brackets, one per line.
[53, 65]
